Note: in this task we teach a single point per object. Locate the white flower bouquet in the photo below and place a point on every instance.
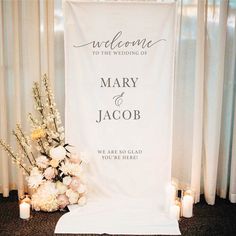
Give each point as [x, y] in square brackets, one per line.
[54, 172]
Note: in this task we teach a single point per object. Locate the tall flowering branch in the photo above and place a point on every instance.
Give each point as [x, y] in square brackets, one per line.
[34, 122]
[53, 112]
[38, 99]
[22, 146]
[37, 135]
[50, 100]
[40, 107]
[25, 140]
[15, 157]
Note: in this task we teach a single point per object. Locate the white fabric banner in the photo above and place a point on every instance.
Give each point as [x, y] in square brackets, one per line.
[119, 91]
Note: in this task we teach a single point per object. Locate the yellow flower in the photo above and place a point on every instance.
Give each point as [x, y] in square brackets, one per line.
[37, 134]
[54, 163]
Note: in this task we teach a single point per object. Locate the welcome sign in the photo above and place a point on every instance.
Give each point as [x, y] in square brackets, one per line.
[110, 47]
[119, 89]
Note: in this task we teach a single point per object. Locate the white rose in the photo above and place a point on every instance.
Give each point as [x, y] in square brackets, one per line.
[61, 187]
[58, 153]
[67, 180]
[82, 201]
[82, 188]
[73, 196]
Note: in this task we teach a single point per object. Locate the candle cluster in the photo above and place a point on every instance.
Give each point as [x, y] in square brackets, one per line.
[181, 203]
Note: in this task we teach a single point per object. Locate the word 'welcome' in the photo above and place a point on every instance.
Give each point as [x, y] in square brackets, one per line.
[116, 42]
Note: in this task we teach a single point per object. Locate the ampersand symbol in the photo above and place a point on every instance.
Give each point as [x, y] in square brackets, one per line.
[118, 99]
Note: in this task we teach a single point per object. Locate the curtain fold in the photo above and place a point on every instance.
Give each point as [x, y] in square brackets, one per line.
[198, 100]
[213, 102]
[17, 79]
[204, 130]
[3, 114]
[231, 163]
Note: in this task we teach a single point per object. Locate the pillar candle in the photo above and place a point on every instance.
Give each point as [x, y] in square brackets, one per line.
[24, 210]
[187, 206]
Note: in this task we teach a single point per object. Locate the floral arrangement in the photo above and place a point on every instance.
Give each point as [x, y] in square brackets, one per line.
[53, 172]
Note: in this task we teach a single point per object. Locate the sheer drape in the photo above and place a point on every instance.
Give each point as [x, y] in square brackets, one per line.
[31, 44]
[204, 149]
[204, 102]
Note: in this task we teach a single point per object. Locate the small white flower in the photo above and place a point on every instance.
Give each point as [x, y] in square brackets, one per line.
[82, 201]
[42, 162]
[82, 189]
[50, 173]
[58, 153]
[61, 129]
[67, 180]
[61, 187]
[73, 196]
[49, 188]
[71, 168]
[35, 178]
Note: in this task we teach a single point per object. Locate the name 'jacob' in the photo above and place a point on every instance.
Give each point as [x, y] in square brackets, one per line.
[118, 114]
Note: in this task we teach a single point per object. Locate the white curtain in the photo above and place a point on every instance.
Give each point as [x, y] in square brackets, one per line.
[31, 44]
[204, 140]
[204, 153]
